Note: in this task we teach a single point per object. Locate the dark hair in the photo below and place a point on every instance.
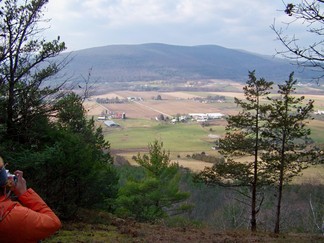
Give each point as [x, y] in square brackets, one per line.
[2, 189]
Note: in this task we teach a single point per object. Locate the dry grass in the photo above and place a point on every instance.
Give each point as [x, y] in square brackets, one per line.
[101, 227]
[313, 175]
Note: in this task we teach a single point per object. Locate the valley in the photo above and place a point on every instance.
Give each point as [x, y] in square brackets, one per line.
[142, 124]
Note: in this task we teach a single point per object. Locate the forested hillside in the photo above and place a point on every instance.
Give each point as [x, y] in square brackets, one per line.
[147, 62]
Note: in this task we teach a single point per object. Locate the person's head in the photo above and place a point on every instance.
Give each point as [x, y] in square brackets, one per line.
[3, 176]
[6, 183]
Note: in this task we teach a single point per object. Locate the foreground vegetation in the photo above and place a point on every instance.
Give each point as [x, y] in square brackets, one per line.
[101, 227]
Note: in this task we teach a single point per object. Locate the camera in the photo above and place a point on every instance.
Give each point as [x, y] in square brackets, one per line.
[9, 175]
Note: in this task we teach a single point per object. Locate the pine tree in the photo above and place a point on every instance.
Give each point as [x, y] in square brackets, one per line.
[242, 145]
[288, 149]
[157, 194]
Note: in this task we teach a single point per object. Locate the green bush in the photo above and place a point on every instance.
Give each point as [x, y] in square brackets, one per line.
[68, 175]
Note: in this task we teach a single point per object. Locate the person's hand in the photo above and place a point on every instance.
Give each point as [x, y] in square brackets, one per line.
[20, 187]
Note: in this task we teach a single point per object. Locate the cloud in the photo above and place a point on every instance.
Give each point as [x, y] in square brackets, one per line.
[187, 22]
[125, 12]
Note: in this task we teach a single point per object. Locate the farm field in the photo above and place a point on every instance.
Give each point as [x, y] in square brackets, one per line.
[182, 139]
[174, 103]
[170, 105]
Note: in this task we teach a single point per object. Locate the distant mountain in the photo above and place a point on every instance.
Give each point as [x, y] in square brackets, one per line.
[147, 62]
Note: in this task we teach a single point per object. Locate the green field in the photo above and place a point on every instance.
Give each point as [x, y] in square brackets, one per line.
[181, 137]
[134, 135]
[317, 130]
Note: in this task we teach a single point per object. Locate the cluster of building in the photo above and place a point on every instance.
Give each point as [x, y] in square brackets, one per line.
[203, 117]
[107, 119]
[199, 117]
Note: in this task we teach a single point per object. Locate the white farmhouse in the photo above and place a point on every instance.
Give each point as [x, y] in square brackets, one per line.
[201, 117]
[215, 115]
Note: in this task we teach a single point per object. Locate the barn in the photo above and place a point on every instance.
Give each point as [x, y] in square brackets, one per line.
[110, 123]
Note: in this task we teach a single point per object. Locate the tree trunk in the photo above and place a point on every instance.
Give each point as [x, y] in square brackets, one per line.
[280, 186]
[254, 190]
[253, 209]
[255, 172]
[277, 225]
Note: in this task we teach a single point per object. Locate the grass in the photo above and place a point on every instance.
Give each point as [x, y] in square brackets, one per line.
[312, 175]
[136, 123]
[88, 233]
[181, 137]
[317, 130]
[92, 226]
[101, 227]
[189, 137]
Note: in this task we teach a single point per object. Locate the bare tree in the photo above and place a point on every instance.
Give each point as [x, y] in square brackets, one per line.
[311, 55]
[87, 85]
[317, 214]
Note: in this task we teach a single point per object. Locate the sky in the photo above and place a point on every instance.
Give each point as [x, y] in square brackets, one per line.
[235, 24]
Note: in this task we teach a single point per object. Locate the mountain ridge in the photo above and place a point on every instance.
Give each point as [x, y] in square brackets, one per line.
[159, 61]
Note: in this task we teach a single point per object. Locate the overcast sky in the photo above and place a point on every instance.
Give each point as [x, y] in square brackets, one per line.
[236, 24]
